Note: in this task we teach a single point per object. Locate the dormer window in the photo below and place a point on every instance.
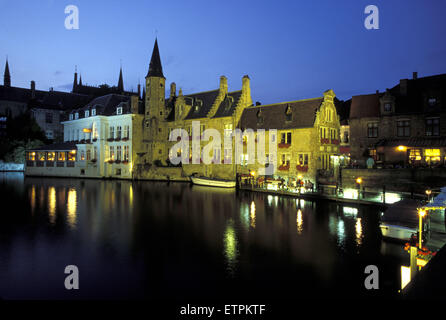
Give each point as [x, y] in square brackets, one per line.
[387, 107]
[288, 114]
[87, 113]
[259, 117]
[432, 102]
[71, 116]
[119, 110]
[76, 115]
[93, 112]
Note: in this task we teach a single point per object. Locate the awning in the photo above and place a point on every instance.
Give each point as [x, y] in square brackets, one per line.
[439, 202]
[65, 146]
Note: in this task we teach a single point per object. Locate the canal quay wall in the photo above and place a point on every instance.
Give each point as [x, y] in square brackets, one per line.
[410, 180]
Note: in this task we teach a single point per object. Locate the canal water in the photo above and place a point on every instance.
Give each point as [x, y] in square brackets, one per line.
[154, 240]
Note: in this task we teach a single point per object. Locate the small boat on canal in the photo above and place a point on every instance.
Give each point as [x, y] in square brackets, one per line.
[213, 182]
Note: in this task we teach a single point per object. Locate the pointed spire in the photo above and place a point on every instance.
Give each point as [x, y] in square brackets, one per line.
[7, 75]
[155, 68]
[80, 80]
[120, 81]
[75, 79]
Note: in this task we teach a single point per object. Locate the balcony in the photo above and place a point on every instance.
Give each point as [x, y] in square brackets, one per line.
[284, 145]
[335, 141]
[325, 141]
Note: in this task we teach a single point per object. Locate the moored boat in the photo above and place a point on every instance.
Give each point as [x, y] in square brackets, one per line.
[212, 182]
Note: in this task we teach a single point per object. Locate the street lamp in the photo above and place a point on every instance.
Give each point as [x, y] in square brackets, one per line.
[421, 214]
[428, 192]
[358, 182]
[401, 148]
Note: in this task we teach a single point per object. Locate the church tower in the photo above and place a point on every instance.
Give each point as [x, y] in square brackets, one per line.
[7, 75]
[155, 110]
[155, 88]
[120, 82]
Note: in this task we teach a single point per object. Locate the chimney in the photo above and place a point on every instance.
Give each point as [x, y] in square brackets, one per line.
[246, 89]
[403, 87]
[415, 75]
[33, 89]
[139, 90]
[173, 89]
[223, 84]
[134, 104]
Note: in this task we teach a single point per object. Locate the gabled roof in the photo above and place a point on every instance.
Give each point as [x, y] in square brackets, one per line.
[201, 103]
[44, 99]
[365, 106]
[106, 105]
[273, 116]
[228, 105]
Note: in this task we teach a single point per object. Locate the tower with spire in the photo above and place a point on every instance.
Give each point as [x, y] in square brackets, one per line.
[155, 87]
[7, 75]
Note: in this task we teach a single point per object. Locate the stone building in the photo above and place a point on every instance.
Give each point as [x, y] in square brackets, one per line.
[307, 137]
[218, 109]
[406, 125]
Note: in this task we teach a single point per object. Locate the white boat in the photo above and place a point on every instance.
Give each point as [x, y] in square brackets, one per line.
[210, 182]
[400, 221]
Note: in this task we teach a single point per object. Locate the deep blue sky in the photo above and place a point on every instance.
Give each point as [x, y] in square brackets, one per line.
[290, 49]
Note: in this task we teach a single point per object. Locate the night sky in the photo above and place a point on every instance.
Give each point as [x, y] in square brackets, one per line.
[290, 49]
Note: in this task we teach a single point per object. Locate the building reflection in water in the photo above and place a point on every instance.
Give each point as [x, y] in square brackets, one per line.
[52, 204]
[299, 221]
[358, 228]
[253, 214]
[71, 208]
[33, 199]
[230, 247]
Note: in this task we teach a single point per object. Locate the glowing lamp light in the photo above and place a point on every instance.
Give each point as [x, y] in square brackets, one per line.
[401, 148]
[422, 213]
[299, 177]
[86, 130]
[359, 180]
[252, 173]
[428, 192]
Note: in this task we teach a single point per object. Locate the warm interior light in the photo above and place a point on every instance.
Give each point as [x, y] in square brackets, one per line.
[253, 173]
[86, 130]
[401, 148]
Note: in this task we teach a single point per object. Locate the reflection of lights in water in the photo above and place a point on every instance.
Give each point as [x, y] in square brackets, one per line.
[131, 196]
[270, 199]
[405, 276]
[358, 228]
[71, 207]
[33, 199]
[351, 193]
[253, 214]
[300, 203]
[299, 221]
[341, 230]
[52, 204]
[350, 212]
[230, 246]
[244, 214]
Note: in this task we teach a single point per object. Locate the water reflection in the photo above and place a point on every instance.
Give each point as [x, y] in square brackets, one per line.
[358, 228]
[151, 236]
[299, 221]
[230, 247]
[52, 204]
[71, 208]
[253, 214]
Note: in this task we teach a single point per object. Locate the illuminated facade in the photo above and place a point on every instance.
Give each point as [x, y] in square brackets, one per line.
[98, 141]
[404, 126]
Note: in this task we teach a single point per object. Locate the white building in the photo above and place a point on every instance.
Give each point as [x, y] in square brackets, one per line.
[98, 141]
